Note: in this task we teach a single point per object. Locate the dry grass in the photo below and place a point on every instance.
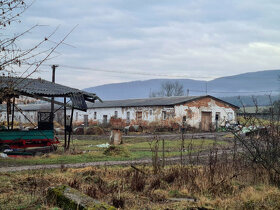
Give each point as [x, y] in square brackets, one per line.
[218, 185]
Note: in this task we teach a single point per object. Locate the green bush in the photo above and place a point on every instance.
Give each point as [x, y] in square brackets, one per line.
[117, 151]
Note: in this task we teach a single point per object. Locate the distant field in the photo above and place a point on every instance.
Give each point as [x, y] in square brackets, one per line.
[83, 151]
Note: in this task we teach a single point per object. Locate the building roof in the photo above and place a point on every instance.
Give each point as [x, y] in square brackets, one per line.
[32, 107]
[163, 101]
[42, 88]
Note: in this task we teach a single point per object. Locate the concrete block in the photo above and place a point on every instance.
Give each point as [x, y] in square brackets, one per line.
[68, 198]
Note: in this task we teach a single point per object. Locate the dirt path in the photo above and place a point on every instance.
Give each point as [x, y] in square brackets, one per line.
[170, 160]
[81, 165]
[172, 136]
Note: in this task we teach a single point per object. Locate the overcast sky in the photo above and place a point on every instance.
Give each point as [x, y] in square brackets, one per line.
[197, 39]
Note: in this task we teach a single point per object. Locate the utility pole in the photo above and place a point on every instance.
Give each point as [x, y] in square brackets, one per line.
[188, 92]
[206, 88]
[53, 81]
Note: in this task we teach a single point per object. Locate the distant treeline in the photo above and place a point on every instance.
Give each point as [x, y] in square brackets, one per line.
[261, 100]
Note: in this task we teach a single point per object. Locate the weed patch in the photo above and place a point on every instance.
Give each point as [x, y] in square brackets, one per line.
[117, 151]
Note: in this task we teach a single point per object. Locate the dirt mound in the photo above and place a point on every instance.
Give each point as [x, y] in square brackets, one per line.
[79, 131]
[94, 131]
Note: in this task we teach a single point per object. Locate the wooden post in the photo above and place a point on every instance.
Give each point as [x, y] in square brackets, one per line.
[13, 113]
[70, 131]
[182, 143]
[8, 111]
[65, 126]
[163, 153]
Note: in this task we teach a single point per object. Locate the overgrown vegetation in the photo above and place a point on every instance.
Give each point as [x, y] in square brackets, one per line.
[261, 142]
[221, 183]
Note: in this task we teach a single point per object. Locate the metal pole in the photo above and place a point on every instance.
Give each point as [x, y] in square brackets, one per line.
[13, 113]
[70, 131]
[65, 129]
[8, 118]
[53, 81]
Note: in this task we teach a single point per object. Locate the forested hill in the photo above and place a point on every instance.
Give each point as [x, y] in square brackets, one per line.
[248, 84]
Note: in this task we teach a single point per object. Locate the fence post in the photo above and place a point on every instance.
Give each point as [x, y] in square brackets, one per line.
[163, 153]
[183, 142]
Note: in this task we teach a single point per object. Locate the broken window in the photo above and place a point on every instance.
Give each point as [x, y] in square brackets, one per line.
[77, 116]
[95, 115]
[164, 115]
[128, 117]
[86, 120]
[217, 116]
[139, 116]
[105, 119]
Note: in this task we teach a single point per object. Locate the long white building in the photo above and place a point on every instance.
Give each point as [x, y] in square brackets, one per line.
[201, 112]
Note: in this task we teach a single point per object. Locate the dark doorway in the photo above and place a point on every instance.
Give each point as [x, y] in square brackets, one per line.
[105, 119]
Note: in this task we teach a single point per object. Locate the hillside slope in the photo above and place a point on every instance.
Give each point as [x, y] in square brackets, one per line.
[254, 83]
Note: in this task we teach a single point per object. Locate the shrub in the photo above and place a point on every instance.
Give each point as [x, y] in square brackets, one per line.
[118, 202]
[138, 182]
[94, 131]
[116, 151]
[155, 183]
[171, 175]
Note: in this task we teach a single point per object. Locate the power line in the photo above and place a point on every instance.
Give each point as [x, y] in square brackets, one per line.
[130, 72]
[167, 75]
[82, 68]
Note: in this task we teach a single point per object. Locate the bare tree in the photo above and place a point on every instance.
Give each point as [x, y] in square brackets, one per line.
[169, 89]
[16, 60]
[259, 140]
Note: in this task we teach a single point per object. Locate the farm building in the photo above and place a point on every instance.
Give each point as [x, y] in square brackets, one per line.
[201, 112]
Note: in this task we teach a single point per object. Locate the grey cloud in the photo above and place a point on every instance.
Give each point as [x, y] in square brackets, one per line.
[194, 37]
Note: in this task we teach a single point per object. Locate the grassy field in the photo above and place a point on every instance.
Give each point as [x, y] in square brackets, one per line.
[224, 181]
[127, 189]
[83, 151]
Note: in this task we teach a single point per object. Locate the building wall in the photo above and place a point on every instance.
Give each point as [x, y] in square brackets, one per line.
[193, 112]
[149, 114]
[18, 116]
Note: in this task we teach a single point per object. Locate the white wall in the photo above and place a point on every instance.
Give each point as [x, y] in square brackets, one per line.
[149, 114]
[193, 112]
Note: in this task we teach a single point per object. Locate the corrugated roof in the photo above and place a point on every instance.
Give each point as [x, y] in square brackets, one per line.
[32, 107]
[40, 87]
[164, 101]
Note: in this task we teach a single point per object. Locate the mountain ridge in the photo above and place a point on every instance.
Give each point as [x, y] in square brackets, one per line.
[250, 83]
